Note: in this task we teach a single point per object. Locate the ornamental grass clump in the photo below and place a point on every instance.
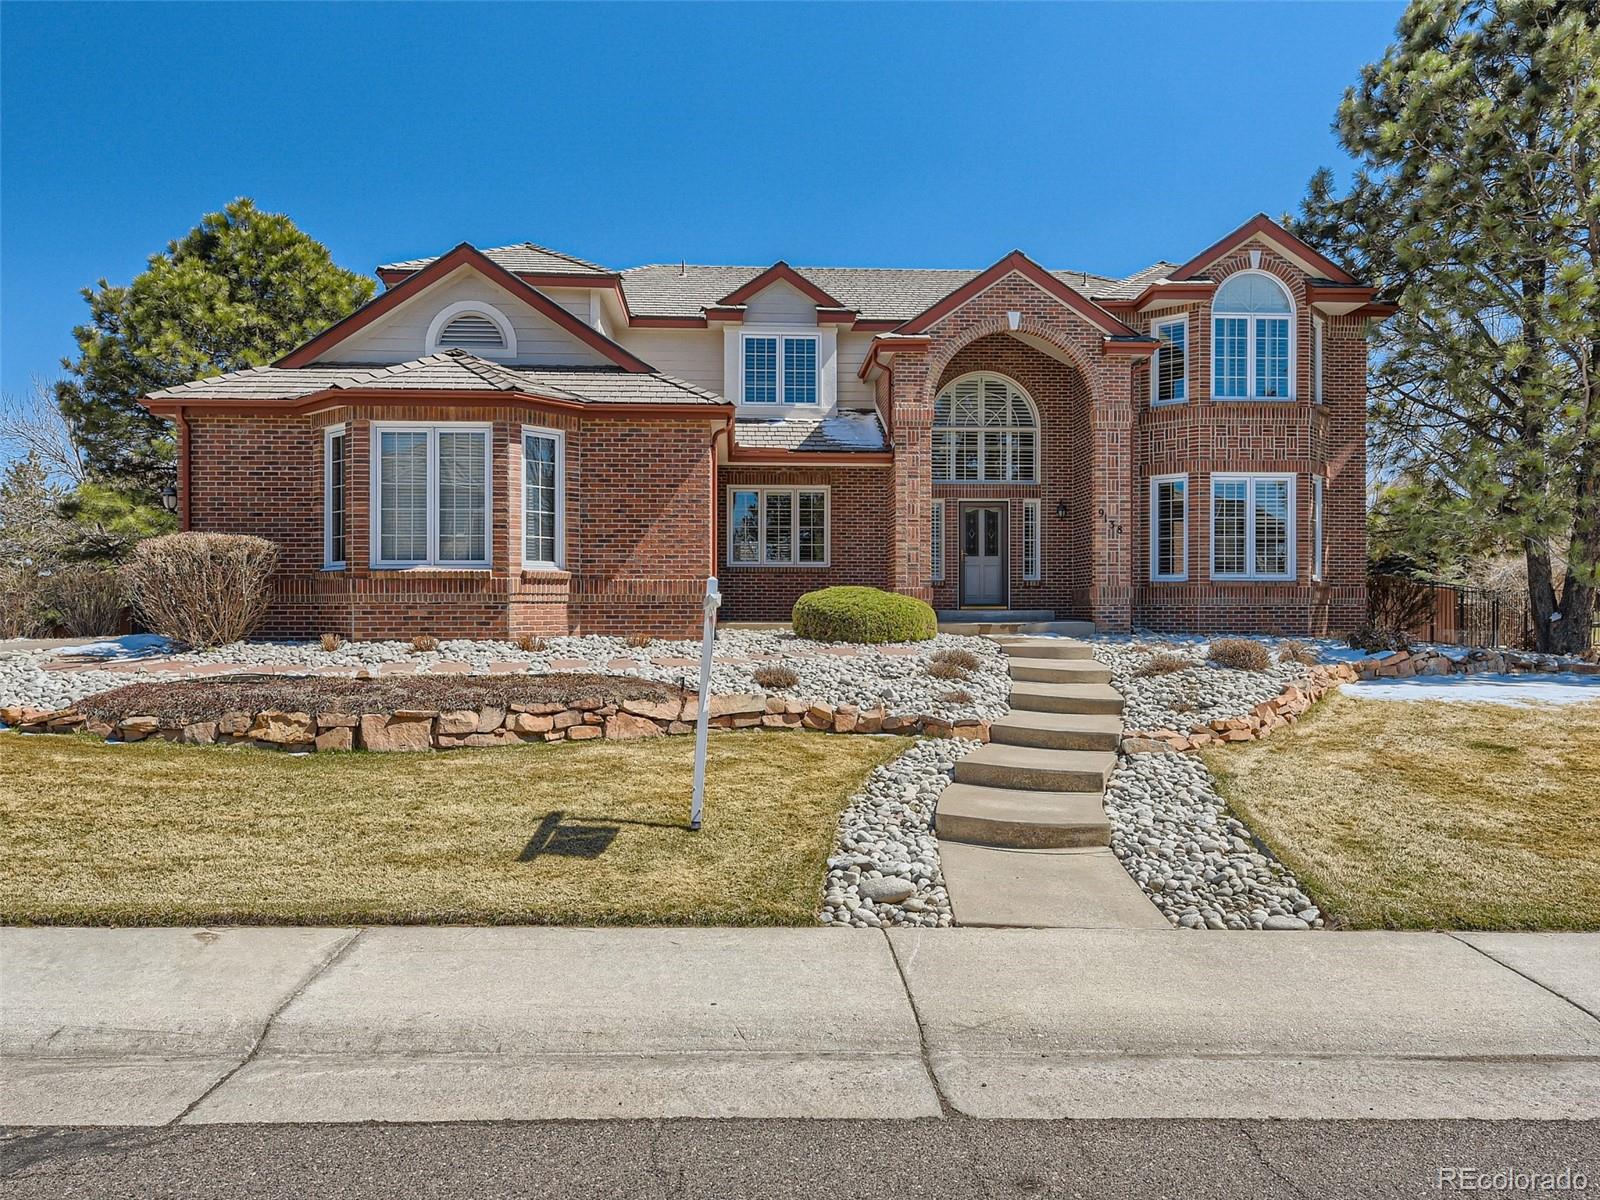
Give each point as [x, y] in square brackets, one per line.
[1241, 654]
[1162, 664]
[862, 615]
[201, 589]
[1297, 652]
[775, 677]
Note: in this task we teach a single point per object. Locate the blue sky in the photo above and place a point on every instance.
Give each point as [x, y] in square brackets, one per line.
[1095, 136]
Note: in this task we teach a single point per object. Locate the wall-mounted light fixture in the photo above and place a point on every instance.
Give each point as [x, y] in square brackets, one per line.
[169, 499]
[1061, 508]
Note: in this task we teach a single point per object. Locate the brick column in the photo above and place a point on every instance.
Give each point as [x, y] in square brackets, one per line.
[911, 493]
[1114, 512]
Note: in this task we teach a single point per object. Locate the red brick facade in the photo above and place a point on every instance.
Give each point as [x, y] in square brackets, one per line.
[640, 570]
[648, 494]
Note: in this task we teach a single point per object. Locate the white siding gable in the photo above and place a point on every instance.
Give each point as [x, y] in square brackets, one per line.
[780, 304]
[402, 335]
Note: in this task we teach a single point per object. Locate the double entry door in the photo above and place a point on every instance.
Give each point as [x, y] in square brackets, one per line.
[983, 554]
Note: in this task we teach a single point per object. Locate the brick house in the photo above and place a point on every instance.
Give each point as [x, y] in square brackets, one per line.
[515, 440]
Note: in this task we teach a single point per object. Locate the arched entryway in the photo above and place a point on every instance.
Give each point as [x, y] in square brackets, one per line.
[1012, 478]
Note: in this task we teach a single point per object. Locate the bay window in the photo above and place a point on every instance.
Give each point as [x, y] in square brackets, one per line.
[543, 502]
[776, 526]
[1169, 528]
[1252, 527]
[1252, 345]
[333, 483]
[780, 369]
[430, 495]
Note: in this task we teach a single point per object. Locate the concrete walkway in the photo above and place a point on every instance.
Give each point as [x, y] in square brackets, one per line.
[156, 1026]
[1025, 841]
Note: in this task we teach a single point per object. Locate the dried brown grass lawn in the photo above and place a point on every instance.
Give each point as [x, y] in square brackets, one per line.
[160, 834]
[1431, 815]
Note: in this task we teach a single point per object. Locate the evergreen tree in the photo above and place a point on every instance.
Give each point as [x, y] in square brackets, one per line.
[239, 290]
[1476, 204]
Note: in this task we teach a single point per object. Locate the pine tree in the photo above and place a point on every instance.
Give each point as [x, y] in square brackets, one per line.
[1476, 203]
[239, 290]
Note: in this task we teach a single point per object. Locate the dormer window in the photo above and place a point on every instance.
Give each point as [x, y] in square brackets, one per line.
[780, 369]
[1252, 341]
[474, 327]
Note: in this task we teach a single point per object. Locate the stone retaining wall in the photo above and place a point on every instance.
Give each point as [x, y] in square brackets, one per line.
[1283, 709]
[429, 729]
[1403, 664]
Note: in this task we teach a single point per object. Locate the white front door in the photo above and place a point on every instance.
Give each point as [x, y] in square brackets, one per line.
[983, 555]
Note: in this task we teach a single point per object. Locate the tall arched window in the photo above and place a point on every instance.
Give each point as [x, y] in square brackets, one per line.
[1252, 339]
[985, 430]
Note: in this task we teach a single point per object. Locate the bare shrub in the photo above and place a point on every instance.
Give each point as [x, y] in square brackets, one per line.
[331, 642]
[965, 659]
[23, 614]
[424, 643]
[201, 589]
[530, 644]
[775, 676]
[947, 670]
[1163, 663]
[959, 696]
[88, 600]
[1375, 639]
[1297, 652]
[1241, 654]
[639, 641]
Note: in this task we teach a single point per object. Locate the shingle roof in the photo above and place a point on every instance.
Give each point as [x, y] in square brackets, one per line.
[449, 370]
[877, 293]
[523, 256]
[840, 431]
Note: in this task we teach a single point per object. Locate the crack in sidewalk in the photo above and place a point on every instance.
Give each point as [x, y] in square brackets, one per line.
[946, 1108]
[316, 972]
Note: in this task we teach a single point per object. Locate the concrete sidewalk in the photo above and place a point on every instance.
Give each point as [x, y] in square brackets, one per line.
[151, 1026]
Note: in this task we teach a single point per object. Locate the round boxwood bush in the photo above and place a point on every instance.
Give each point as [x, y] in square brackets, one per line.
[862, 614]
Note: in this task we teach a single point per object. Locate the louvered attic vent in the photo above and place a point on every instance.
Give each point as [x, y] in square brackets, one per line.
[472, 331]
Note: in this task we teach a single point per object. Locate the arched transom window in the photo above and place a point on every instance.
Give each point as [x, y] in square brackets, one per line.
[1252, 340]
[985, 430]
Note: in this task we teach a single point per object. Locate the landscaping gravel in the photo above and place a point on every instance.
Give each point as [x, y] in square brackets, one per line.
[1173, 835]
[898, 679]
[885, 866]
[1190, 698]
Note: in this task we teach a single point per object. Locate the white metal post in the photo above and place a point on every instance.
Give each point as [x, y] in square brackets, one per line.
[708, 636]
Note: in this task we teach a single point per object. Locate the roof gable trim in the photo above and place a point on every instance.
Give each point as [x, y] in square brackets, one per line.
[469, 256]
[1264, 227]
[1019, 263]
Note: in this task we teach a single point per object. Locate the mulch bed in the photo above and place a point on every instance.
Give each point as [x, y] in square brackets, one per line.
[190, 700]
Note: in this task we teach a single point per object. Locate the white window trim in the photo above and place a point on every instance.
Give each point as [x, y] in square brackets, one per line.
[560, 439]
[1249, 319]
[1037, 429]
[1182, 575]
[1252, 575]
[329, 563]
[1319, 332]
[794, 527]
[1155, 361]
[1037, 573]
[938, 542]
[375, 493]
[781, 335]
[478, 307]
[1319, 515]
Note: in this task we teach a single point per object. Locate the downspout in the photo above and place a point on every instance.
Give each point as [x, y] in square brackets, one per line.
[716, 489]
[183, 469]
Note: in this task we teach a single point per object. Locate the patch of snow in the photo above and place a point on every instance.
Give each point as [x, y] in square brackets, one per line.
[120, 649]
[1482, 689]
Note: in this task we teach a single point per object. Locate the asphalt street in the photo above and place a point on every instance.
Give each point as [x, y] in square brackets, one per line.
[778, 1159]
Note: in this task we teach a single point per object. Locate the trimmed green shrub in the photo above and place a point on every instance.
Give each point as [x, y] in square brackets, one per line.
[863, 615]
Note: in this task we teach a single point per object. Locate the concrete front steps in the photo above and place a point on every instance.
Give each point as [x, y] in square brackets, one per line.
[1023, 829]
[993, 622]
